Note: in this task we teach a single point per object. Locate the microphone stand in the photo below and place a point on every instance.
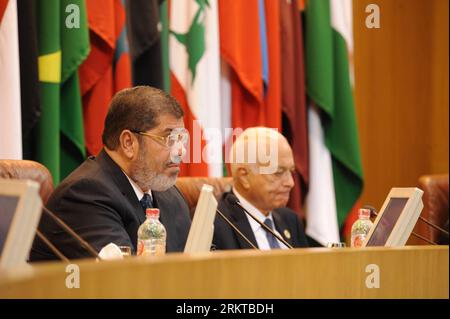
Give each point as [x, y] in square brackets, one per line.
[69, 230]
[52, 247]
[264, 226]
[412, 233]
[236, 229]
[433, 225]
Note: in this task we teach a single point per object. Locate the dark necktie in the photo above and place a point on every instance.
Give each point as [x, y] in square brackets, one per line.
[146, 201]
[273, 242]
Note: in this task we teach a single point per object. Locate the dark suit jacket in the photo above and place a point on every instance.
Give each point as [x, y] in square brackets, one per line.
[286, 223]
[98, 202]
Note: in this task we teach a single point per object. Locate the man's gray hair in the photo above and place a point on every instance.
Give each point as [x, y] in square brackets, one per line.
[257, 149]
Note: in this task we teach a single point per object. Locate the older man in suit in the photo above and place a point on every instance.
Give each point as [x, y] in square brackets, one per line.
[262, 164]
[104, 200]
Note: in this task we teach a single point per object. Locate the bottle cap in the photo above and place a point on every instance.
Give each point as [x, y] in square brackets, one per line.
[364, 213]
[152, 212]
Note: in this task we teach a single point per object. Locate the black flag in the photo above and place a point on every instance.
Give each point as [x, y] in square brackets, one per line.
[144, 36]
[29, 78]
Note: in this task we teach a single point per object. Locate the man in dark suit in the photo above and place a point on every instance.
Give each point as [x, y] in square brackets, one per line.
[262, 185]
[104, 200]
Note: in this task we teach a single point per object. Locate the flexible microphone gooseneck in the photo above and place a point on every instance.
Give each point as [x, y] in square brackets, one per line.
[433, 225]
[52, 247]
[374, 212]
[236, 229]
[69, 230]
[233, 200]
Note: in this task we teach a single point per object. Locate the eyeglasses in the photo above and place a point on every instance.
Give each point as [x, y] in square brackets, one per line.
[178, 135]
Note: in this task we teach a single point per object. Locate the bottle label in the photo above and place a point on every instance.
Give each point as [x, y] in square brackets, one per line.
[140, 248]
[358, 241]
[148, 247]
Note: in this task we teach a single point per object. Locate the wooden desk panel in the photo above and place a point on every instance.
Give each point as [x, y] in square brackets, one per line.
[408, 272]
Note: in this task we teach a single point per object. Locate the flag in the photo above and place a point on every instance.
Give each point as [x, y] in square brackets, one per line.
[272, 99]
[295, 124]
[63, 45]
[263, 40]
[75, 49]
[99, 76]
[144, 33]
[336, 177]
[122, 63]
[195, 67]
[164, 20]
[47, 137]
[29, 77]
[241, 50]
[10, 112]
[3, 5]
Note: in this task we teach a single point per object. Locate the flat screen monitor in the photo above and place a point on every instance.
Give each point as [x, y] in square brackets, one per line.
[20, 211]
[397, 218]
[202, 228]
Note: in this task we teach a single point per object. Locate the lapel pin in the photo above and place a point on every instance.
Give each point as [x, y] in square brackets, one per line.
[287, 234]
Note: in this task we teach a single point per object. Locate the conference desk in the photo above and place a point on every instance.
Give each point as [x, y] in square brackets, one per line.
[377, 272]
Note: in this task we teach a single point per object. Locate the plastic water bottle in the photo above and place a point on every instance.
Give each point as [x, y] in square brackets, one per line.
[151, 235]
[361, 228]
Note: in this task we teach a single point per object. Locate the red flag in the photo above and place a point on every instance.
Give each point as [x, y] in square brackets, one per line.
[195, 167]
[3, 4]
[240, 47]
[295, 127]
[106, 22]
[273, 95]
[122, 63]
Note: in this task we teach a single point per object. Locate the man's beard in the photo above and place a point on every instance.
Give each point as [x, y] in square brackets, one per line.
[147, 177]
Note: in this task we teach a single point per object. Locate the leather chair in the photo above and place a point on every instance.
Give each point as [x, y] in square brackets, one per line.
[435, 209]
[190, 187]
[24, 169]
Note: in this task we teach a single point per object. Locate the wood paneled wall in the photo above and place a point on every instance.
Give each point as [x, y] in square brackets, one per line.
[401, 93]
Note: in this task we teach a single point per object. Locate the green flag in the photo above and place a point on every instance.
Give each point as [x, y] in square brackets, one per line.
[75, 49]
[163, 13]
[329, 87]
[49, 64]
[63, 41]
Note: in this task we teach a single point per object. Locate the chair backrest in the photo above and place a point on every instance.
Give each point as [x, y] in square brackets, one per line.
[435, 208]
[190, 187]
[24, 169]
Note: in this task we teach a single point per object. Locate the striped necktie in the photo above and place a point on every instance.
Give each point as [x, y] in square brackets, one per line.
[273, 242]
[146, 201]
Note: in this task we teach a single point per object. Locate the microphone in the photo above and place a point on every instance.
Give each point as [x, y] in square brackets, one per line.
[236, 229]
[433, 225]
[233, 200]
[69, 230]
[52, 247]
[374, 212]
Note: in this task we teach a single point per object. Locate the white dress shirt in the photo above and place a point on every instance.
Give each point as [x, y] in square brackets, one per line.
[137, 189]
[258, 230]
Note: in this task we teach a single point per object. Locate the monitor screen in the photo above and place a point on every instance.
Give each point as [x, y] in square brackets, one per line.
[387, 222]
[20, 211]
[8, 205]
